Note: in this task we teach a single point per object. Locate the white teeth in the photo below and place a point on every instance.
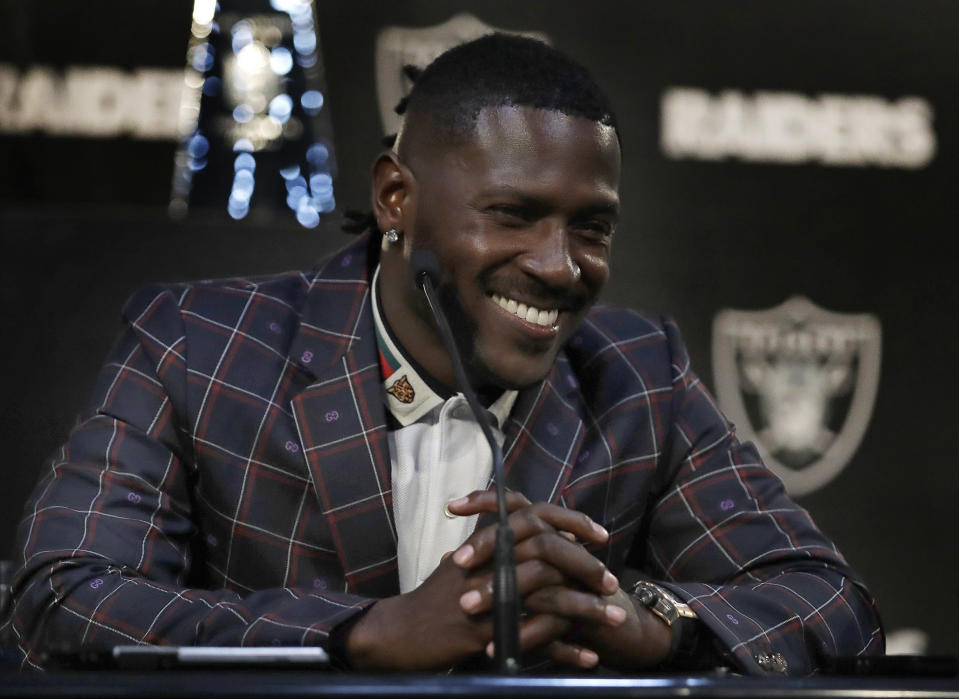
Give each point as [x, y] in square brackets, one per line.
[530, 314]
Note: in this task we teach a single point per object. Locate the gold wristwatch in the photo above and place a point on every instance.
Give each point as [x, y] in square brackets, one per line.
[662, 602]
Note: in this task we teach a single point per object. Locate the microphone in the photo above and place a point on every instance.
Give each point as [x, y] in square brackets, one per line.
[426, 267]
[427, 272]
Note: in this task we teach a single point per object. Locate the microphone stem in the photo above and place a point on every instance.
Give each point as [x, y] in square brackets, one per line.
[505, 596]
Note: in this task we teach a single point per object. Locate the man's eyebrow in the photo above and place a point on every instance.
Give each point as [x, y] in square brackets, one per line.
[610, 209]
[507, 190]
[527, 199]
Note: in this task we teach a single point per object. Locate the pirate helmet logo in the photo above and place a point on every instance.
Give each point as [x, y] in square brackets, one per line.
[398, 47]
[800, 382]
[402, 390]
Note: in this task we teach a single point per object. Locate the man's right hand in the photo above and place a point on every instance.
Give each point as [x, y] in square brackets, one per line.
[424, 629]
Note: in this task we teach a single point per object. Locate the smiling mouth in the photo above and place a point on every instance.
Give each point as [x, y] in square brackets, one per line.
[530, 314]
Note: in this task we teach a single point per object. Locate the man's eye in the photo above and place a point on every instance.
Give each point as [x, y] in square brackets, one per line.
[511, 215]
[595, 227]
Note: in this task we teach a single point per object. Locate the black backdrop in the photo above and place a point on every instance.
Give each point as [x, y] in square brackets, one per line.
[84, 221]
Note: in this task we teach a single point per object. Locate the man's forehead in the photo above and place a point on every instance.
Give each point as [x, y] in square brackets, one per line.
[536, 148]
[521, 129]
[524, 124]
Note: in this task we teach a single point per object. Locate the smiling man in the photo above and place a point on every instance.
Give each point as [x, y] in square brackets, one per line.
[520, 212]
[286, 461]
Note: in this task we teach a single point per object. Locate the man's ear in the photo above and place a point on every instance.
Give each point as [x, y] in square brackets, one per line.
[392, 190]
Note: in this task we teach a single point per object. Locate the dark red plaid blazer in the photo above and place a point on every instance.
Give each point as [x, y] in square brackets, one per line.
[229, 483]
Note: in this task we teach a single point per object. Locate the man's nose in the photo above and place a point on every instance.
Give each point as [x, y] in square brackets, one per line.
[549, 257]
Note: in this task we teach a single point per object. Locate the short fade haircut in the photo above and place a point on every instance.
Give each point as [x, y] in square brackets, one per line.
[504, 70]
[495, 70]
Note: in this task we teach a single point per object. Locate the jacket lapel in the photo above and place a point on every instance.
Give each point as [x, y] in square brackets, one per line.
[543, 436]
[342, 423]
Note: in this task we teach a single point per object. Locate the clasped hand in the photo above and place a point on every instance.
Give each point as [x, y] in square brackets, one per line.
[574, 609]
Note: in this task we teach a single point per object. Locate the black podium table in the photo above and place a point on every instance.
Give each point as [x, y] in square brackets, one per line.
[197, 683]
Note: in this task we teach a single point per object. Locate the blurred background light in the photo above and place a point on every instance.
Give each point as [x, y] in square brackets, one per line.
[281, 60]
[243, 113]
[317, 155]
[254, 87]
[281, 107]
[307, 215]
[203, 11]
[201, 57]
[198, 146]
[304, 40]
[312, 101]
[244, 161]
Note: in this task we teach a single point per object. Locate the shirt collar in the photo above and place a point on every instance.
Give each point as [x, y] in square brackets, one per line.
[503, 406]
[407, 390]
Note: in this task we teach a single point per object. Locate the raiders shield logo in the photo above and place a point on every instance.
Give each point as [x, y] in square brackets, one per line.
[800, 382]
[402, 390]
[397, 47]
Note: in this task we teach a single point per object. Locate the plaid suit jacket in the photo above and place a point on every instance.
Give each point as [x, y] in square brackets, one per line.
[229, 483]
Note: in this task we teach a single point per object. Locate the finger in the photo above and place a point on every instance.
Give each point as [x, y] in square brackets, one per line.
[578, 525]
[526, 522]
[476, 601]
[537, 631]
[544, 589]
[574, 604]
[561, 652]
[545, 631]
[530, 576]
[571, 654]
[485, 501]
[573, 562]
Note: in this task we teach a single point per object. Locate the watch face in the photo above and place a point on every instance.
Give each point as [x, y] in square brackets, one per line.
[662, 602]
[656, 601]
[647, 596]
